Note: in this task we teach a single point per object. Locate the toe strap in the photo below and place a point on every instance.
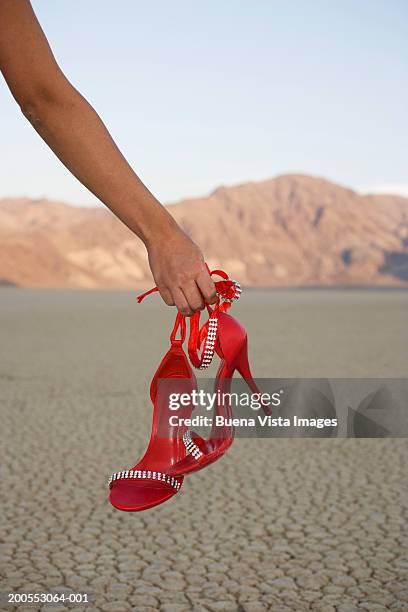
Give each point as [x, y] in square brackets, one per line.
[145, 475]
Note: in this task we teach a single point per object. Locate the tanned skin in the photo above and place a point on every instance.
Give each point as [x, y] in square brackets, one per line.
[77, 135]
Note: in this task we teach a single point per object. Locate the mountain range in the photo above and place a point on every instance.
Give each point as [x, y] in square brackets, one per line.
[292, 230]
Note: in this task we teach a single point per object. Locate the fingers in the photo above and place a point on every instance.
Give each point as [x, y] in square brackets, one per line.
[166, 295]
[193, 296]
[188, 299]
[181, 302]
[206, 285]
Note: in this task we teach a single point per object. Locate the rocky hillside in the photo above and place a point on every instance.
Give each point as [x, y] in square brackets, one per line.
[288, 231]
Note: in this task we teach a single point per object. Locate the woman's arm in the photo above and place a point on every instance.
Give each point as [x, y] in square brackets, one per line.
[76, 134]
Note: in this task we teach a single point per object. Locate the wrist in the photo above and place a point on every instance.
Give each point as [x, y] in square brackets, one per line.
[162, 227]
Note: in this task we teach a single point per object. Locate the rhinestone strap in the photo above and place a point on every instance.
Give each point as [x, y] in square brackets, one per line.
[229, 294]
[209, 343]
[146, 475]
[191, 447]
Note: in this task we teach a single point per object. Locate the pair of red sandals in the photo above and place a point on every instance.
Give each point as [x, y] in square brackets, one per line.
[174, 450]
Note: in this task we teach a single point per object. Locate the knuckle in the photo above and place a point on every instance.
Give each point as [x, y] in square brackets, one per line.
[182, 278]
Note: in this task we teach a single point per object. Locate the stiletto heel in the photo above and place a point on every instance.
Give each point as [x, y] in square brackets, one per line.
[242, 365]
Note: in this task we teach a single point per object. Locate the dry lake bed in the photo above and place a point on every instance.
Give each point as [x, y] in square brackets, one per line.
[282, 524]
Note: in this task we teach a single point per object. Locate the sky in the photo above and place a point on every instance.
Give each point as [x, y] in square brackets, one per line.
[201, 94]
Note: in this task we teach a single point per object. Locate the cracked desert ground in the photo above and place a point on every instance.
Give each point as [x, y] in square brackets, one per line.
[282, 524]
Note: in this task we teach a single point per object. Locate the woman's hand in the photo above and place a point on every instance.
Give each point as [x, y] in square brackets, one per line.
[179, 271]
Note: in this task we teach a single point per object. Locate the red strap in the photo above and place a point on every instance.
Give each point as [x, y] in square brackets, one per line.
[220, 273]
[180, 322]
[143, 295]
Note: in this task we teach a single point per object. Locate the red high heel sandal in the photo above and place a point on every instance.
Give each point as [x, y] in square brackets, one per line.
[150, 482]
[174, 451]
